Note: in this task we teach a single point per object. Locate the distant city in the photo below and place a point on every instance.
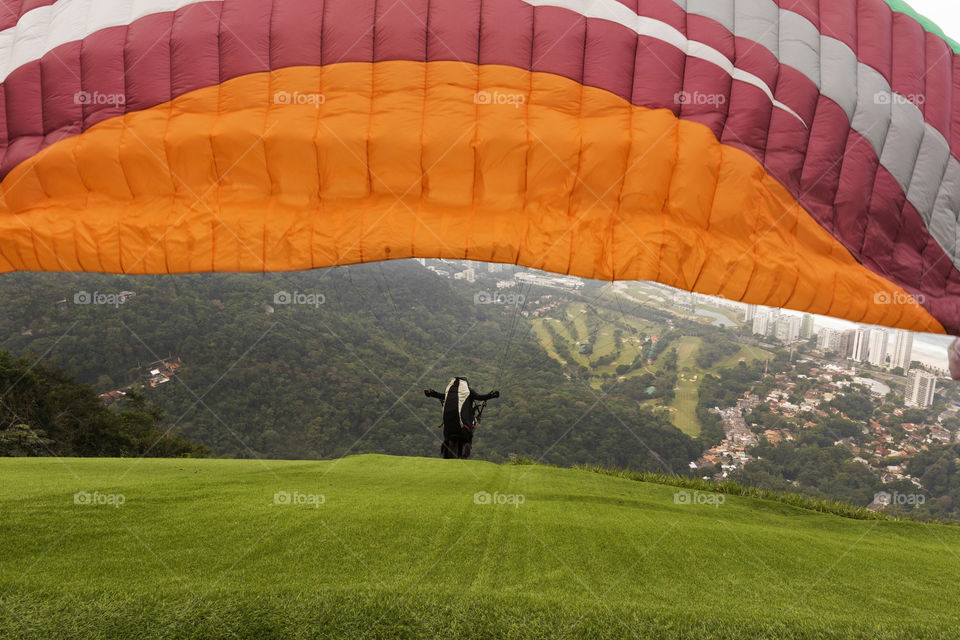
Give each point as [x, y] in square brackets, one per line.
[889, 349]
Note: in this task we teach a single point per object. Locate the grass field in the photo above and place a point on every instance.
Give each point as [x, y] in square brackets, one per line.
[544, 337]
[604, 341]
[747, 353]
[684, 405]
[399, 548]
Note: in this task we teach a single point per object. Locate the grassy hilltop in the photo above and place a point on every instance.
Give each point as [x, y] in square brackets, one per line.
[384, 547]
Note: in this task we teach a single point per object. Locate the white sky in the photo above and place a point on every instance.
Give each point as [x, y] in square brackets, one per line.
[945, 13]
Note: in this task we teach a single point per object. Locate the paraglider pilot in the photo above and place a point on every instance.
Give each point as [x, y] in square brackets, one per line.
[459, 416]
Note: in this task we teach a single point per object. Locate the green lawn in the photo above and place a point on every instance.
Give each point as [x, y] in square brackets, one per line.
[575, 312]
[546, 341]
[400, 549]
[687, 348]
[747, 353]
[604, 342]
[684, 405]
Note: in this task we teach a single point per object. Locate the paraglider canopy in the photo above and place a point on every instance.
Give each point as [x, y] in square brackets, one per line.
[792, 154]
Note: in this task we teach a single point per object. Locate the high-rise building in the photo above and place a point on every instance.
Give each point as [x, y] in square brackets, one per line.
[787, 329]
[781, 330]
[761, 324]
[796, 328]
[829, 340]
[770, 324]
[902, 350]
[861, 345]
[806, 327]
[494, 267]
[920, 389]
[847, 339]
[749, 312]
[823, 340]
[877, 352]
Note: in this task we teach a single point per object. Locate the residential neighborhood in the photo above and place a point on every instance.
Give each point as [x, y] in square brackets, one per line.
[885, 441]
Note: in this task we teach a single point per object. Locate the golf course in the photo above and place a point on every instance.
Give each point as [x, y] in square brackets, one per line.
[388, 547]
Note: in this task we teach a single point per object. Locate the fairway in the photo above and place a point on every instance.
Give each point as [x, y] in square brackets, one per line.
[575, 329]
[384, 547]
[747, 353]
[688, 384]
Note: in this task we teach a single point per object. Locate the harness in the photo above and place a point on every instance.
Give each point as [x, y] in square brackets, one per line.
[478, 408]
[478, 412]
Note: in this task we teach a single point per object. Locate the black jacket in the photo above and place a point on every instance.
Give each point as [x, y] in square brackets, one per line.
[458, 408]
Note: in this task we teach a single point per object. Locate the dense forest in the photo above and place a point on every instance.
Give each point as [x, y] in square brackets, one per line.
[327, 363]
[44, 412]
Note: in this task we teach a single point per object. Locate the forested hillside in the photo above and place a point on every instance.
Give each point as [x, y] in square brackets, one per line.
[338, 370]
[44, 412]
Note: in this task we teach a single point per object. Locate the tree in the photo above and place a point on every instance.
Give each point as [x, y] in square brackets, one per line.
[21, 440]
